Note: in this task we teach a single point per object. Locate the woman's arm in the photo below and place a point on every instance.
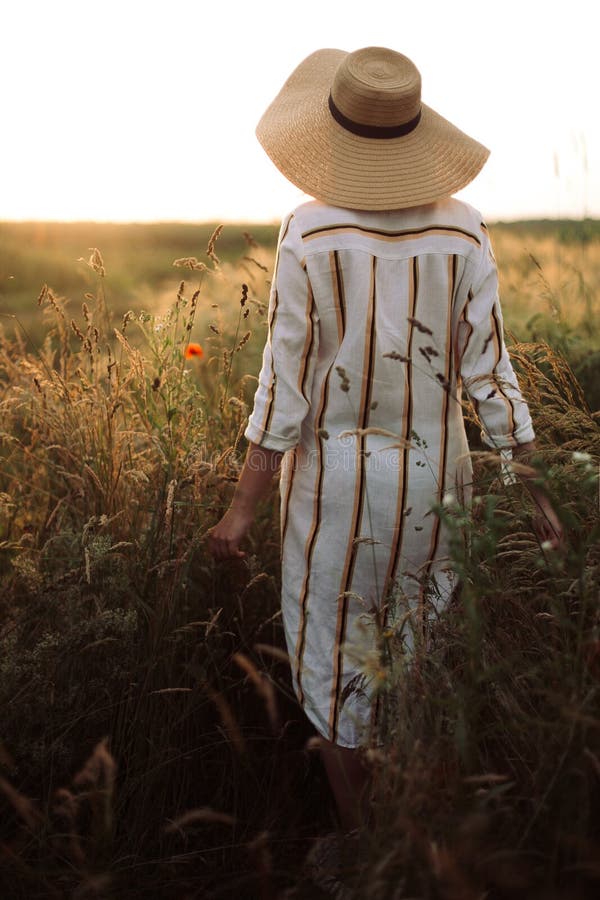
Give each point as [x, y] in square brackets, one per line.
[284, 385]
[489, 379]
[546, 523]
[255, 479]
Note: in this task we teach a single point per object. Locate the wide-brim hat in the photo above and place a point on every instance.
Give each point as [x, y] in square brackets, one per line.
[350, 129]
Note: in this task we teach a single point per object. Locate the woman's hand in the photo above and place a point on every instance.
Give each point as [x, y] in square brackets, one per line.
[225, 538]
[546, 523]
[256, 477]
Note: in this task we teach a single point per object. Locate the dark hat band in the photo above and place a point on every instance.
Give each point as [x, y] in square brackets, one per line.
[372, 131]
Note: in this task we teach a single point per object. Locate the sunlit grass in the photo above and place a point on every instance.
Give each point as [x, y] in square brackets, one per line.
[150, 745]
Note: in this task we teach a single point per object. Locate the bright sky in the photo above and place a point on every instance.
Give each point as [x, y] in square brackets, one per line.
[137, 110]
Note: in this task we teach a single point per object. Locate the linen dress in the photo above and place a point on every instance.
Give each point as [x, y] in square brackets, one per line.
[377, 322]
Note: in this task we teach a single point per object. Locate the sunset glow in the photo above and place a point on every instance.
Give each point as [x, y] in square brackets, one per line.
[132, 111]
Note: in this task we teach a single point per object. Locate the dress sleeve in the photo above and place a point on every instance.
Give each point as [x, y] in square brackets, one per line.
[485, 367]
[282, 398]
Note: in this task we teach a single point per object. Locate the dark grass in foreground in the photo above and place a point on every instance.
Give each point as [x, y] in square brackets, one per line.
[150, 745]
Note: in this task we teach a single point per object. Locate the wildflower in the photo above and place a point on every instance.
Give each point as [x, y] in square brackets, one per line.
[193, 350]
[578, 457]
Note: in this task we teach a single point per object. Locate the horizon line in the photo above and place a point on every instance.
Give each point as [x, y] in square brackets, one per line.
[501, 220]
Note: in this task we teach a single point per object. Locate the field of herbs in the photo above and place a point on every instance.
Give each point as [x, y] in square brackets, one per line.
[150, 742]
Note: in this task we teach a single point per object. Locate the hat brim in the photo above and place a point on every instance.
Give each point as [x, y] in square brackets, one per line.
[329, 163]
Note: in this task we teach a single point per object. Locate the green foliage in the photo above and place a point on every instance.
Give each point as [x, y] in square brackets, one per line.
[566, 231]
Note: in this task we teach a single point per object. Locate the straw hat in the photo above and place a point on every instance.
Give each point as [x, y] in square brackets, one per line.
[350, 129]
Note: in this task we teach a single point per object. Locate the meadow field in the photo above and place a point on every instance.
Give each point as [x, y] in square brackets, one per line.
[150, 743]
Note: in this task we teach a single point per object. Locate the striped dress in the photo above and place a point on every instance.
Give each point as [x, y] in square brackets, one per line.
[377, 322]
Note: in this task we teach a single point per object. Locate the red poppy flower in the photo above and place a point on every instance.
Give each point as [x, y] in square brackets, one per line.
[193, 350]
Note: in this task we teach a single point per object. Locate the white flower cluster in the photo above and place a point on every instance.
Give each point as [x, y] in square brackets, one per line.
[584, 460]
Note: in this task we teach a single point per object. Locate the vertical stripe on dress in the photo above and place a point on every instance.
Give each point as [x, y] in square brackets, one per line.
[497, 332]
[270, 402]
[287, 495]
[338, 288]
[337, 282]
[402, 492]
[396, 548]
[435, 532]
[359, 495]
[459, 351]
[308, 342]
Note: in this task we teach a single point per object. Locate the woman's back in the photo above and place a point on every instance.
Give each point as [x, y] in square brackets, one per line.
[369, 291]
[373, 317]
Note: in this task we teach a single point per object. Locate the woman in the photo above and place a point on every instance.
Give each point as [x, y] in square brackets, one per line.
[383, 307]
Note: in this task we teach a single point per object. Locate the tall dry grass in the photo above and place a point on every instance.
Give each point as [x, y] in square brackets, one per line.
[118, 453]
[549, 282]
[149, 743]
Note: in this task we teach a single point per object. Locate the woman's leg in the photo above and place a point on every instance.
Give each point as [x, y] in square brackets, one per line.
[349, 779]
